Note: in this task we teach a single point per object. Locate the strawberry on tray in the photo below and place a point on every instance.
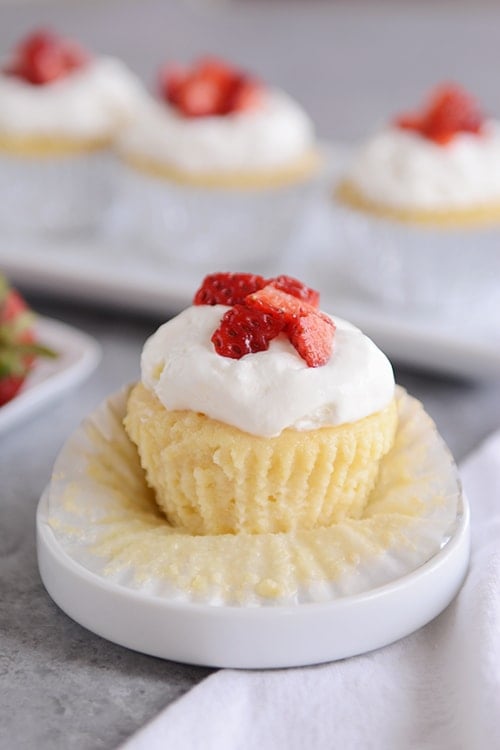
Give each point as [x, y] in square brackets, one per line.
[19, 349]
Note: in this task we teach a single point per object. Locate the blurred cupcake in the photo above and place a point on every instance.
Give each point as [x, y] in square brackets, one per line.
[437, 169]
[217, 167]
[60, 109]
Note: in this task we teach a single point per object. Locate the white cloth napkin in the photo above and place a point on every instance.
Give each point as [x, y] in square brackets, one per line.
[438, 689]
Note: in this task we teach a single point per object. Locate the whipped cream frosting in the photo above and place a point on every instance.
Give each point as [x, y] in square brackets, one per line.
[88, 103]
[271, 135]
[266, 392]
[402, 169]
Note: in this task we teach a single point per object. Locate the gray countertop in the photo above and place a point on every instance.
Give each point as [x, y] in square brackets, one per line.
[350, 63]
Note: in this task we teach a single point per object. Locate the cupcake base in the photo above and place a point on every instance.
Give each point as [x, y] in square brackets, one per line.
[52, 186]
[211, 478]
[473, 216]
[233, 221]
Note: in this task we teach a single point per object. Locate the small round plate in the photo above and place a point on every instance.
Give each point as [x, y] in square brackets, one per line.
[253, 637]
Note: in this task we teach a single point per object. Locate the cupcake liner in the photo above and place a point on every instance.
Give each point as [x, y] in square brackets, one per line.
[106, 519]
[425, 270]
[211, 478]
[197, 227]
[65, 193]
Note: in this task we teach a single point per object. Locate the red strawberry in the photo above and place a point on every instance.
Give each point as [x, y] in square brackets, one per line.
[245, 331]
[44, 57]
[312, 337]
[296, 288]
[227, 288]
[208, 88]
[273, 301]
[18, 349]
[245, 93]
[451, 110]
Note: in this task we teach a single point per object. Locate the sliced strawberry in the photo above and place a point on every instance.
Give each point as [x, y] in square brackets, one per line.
[451, 110]
[10, 387]
[44, 57]
[18, 349]
[245, 331]
[296, 288]
[227, 288]
[273, 301]
[312, 336]
[210, 87]
[245, 93]
[171, 79]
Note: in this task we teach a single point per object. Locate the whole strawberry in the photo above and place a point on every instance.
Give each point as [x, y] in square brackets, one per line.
[18, 348]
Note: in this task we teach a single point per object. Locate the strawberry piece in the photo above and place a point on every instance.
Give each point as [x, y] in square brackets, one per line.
[10, 387]
[296, 288]
[227, 288]
[246, 93]
[451, 110]
[273, 301]
[209, 88]
[245, 331]
[312, 337]
[200, 97]
[44, 57]
[18, 349]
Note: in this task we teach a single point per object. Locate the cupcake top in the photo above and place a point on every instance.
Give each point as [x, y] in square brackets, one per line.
[52, 87]
[446, 156]
[214, 118]
[265, 360]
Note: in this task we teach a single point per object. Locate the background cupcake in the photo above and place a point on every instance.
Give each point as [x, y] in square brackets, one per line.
[60, 109]
[217, 167]
[418, 207]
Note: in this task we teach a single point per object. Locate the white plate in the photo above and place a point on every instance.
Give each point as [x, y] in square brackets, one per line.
[77, 356]
[252, 637]
[88, 271]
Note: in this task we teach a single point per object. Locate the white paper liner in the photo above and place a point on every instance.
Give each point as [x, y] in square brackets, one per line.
[195, 227]
[64, 193]
[106, 519]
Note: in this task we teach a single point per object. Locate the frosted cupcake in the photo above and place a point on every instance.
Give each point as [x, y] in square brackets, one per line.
[437, 169]
[216, 167]
[60, 109]
[258, 413]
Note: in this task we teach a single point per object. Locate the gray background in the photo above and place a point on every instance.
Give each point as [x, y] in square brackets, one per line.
[350, 64]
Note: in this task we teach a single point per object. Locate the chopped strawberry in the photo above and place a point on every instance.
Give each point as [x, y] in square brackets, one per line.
[44, 57]
[199, 97]
[246, 93]
[209, 88]
[227, 288]
[273, 301]
[296, 288]
[18, 349]
[451, 110]
[245, 331]
[10, 387]
[312, 337]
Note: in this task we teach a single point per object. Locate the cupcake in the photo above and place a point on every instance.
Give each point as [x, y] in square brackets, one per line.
[217, 167]
[408, 195]
[258, 413]
[439, 166]
[60, 110]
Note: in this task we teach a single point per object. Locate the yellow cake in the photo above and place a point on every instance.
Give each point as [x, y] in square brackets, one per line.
[212, 478]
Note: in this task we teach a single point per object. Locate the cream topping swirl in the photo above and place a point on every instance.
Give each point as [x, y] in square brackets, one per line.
[403, 169]
[88, 103]
[266, 392]
[273, 134]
